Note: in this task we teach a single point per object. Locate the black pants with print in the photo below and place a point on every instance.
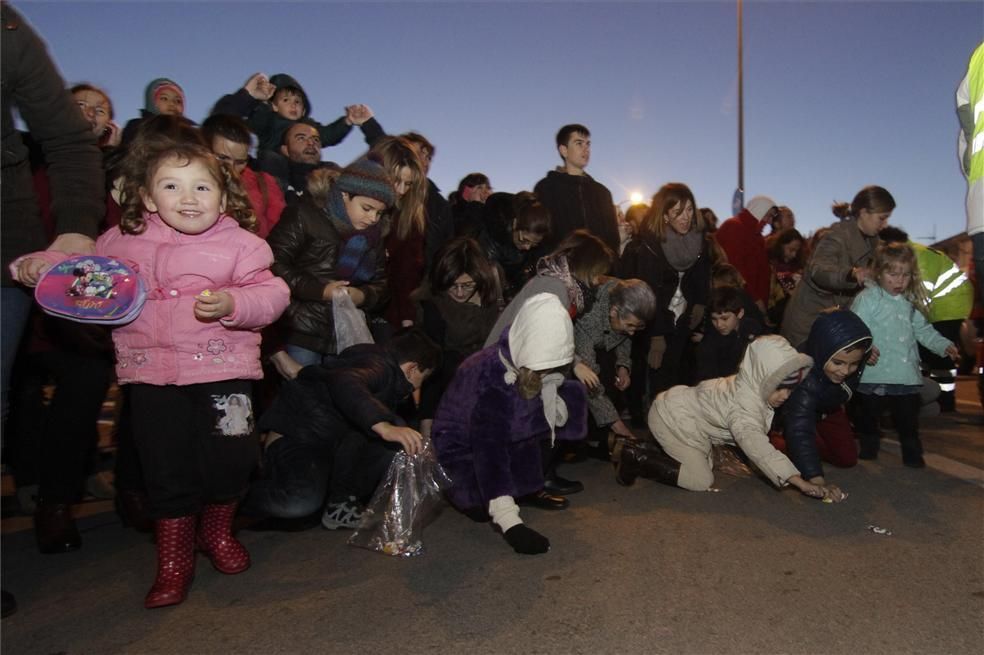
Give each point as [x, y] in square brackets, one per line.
[197, 443]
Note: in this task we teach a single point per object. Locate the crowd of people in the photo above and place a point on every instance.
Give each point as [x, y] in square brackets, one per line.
[515, 331]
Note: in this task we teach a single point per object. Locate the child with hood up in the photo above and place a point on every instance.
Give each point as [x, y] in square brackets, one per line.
[737, 410]
[162, 96]
[505, 406]
[815, 425]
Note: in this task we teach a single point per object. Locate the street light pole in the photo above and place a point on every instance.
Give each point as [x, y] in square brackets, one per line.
[738, 201]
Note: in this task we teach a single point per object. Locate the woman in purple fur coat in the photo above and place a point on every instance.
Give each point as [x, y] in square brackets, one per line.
[504, 402]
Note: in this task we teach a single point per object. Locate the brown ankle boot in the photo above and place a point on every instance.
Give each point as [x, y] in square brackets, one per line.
[55, 528]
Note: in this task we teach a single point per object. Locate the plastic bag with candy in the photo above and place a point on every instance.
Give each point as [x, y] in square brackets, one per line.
[409, 498]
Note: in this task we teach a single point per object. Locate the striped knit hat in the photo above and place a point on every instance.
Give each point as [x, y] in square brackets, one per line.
[793, 378]
[364, 177]
[155, 88]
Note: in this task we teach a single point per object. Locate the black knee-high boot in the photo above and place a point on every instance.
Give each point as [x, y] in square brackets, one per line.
[646, 459]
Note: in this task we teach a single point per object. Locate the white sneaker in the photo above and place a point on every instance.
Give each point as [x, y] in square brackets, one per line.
[345, 515]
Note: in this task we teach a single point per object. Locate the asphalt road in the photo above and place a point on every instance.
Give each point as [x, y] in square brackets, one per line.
[647, 569]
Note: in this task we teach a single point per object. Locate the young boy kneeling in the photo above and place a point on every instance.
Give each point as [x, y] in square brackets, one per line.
[330, 426]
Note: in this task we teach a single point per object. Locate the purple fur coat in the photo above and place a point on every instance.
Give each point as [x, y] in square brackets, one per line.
[487, 437]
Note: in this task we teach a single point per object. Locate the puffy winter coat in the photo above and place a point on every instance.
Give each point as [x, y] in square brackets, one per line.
[816, 396]
[735, 409]
[306, 244]
[167, 344]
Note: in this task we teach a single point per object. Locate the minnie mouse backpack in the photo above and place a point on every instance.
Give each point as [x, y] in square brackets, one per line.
[92, 289]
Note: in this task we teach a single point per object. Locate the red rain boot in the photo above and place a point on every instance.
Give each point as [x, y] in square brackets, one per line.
[215, 539]
[175, 561]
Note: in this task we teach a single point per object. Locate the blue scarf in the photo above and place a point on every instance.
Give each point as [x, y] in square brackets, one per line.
[357, 256]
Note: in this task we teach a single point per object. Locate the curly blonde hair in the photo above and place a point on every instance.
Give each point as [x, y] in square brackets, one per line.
[163, 138]
[892, 256]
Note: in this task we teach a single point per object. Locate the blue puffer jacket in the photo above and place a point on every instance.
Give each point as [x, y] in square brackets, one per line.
[816, 396]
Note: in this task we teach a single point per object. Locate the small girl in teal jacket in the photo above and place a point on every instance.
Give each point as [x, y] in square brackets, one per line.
[892, 306]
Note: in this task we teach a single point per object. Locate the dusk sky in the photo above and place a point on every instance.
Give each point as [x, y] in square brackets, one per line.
[837, 94]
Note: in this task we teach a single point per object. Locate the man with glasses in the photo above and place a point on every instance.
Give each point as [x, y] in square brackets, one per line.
[741, 238]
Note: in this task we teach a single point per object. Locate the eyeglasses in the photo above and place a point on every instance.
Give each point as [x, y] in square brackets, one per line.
[465, 287]
[525, 241]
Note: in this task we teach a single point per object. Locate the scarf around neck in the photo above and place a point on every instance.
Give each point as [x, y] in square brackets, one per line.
[682, 250]
[554, 407]
[357, 254]
[556, 266]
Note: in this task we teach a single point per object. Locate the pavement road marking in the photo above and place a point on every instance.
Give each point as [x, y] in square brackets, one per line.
[944, 465]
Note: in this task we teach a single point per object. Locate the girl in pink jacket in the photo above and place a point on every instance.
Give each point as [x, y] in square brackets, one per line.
[191, 354]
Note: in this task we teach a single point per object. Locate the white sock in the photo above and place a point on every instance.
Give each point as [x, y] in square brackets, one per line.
[504, 512]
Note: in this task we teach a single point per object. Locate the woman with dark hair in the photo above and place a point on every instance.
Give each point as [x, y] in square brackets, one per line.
[456, 307]
[515, 225]
[468, 204]
[571, 272]
[837, 267]
[670, 254]
[787, 256]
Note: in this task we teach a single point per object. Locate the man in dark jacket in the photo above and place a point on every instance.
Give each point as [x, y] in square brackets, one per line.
[815, 425]
[328, 428]
[574, 198]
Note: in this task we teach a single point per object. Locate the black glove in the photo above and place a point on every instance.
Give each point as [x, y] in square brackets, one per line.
[526, 541]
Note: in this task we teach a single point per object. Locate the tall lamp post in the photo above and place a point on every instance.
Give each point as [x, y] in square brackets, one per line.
[738, 200]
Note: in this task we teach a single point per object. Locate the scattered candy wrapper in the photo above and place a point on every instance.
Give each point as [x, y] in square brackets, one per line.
[877, 530]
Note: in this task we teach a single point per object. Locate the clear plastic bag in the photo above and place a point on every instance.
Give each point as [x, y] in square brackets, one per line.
[350, 322]
[409, 498]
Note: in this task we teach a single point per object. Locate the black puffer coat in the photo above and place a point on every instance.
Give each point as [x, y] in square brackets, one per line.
[306, 244]
[816, 396]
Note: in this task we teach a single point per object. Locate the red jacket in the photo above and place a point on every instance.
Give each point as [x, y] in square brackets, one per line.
[741, 238]
[266, 199]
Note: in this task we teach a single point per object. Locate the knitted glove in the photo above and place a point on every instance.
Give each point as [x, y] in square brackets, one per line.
[657, 346]
[526, 541]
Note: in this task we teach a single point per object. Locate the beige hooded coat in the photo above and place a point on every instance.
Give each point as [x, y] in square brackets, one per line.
[688, 421]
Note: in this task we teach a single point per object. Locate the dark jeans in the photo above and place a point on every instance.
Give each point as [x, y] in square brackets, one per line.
[905, 414]
[298, 474]
[69, 426]
[197, 443]
[15, 307]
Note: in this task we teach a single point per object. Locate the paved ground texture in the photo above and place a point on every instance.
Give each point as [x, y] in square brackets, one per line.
[647, 569]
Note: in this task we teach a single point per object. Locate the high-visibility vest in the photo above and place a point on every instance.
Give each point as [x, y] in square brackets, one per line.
[970, 106]
[975, 84]
[949, 291]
